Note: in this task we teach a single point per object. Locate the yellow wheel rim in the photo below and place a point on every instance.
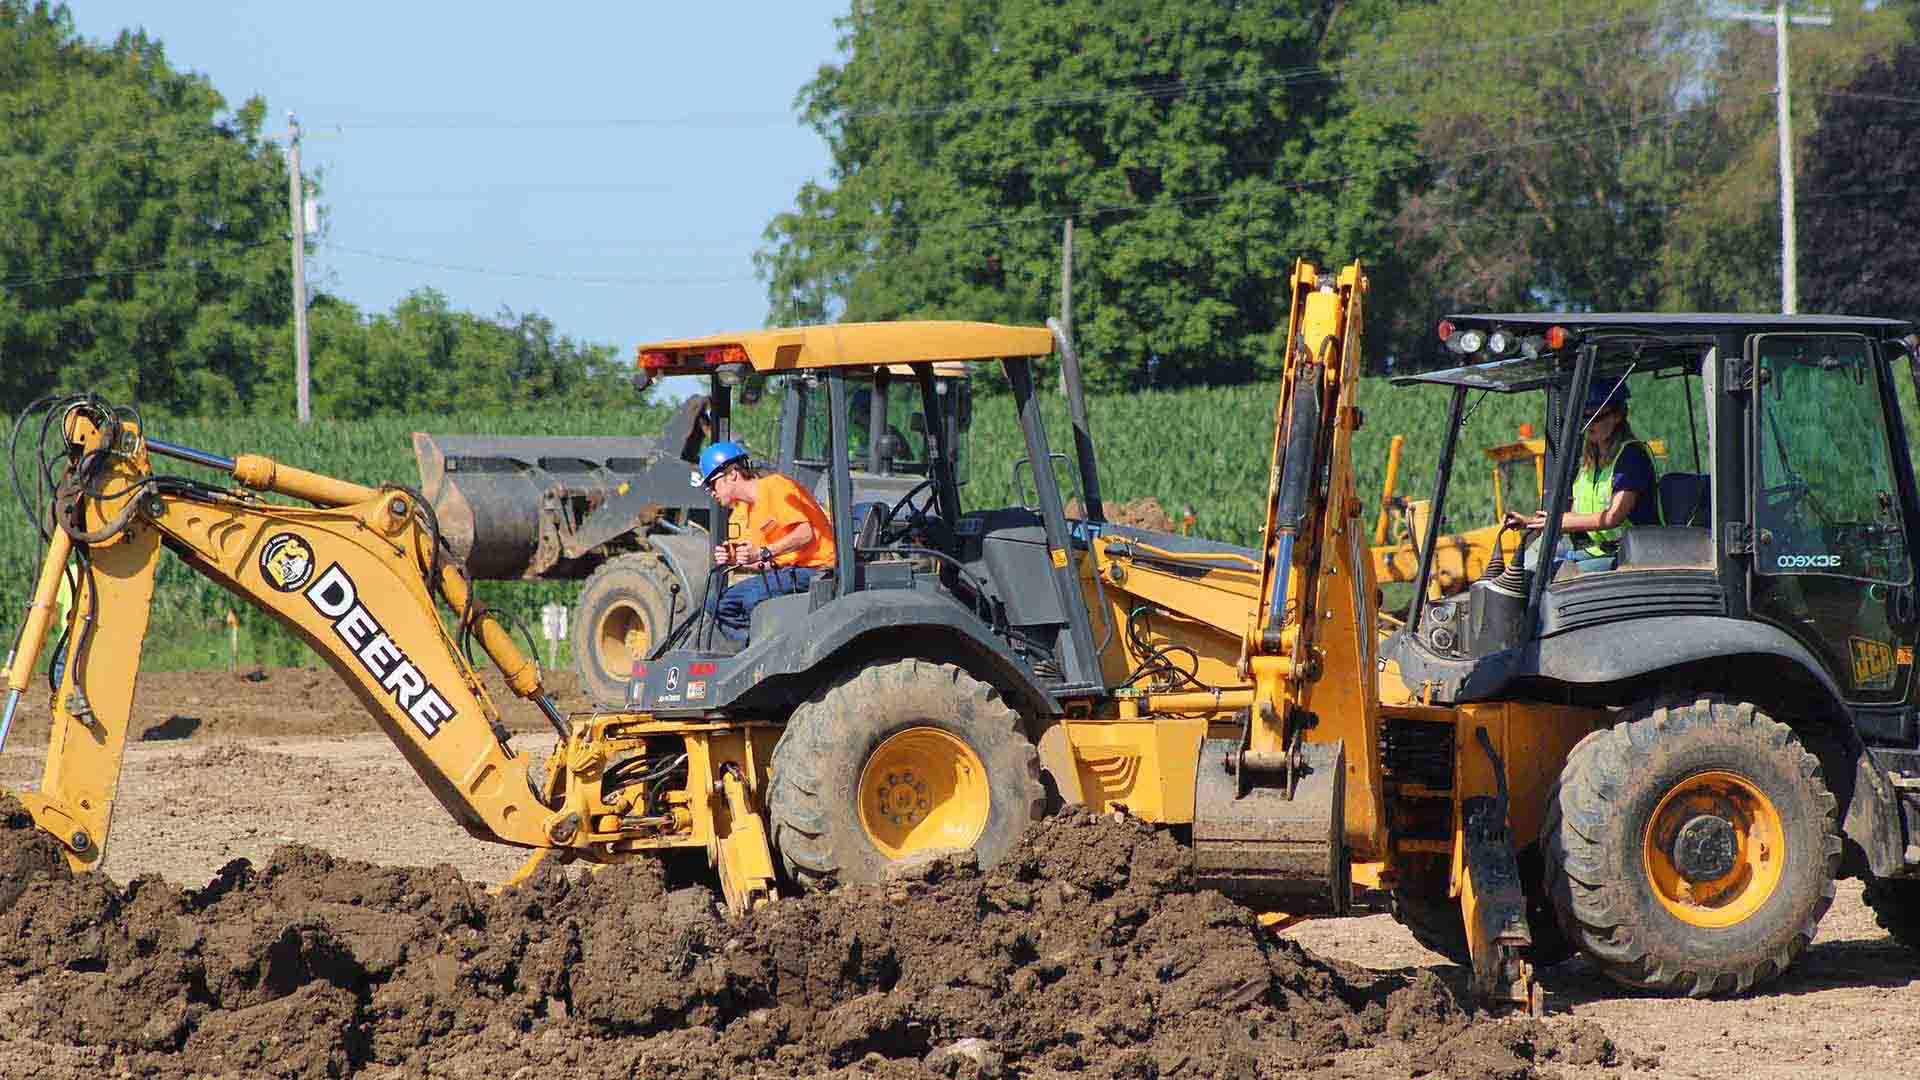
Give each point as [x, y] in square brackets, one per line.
[1714, 849]
[923, 788]
[623, 638]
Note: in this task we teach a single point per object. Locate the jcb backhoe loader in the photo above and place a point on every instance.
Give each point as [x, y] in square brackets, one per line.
[1592, 760]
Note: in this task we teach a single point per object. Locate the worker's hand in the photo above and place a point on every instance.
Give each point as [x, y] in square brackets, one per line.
[1535, 520]
[733, 553]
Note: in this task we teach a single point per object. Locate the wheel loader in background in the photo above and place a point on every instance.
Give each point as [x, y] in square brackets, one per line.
[618, 512]
[1664, 765]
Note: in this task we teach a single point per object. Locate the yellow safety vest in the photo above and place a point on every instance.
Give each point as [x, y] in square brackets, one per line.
[1593, 493]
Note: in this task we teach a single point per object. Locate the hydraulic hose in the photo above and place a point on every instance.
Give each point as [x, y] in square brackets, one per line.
[1296, 472]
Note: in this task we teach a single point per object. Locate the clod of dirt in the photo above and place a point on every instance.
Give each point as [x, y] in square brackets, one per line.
[1140, 513]
[1087, 950]
[175, 726]
[26, 854]
[1509, 1051]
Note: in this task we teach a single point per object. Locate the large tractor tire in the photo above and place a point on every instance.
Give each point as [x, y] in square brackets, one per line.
[899, 757]
[1896, 907]
[1435, 922]
[1692, 848]
[620, 614]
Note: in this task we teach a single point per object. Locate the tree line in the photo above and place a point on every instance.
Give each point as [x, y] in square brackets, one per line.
[1474, 154]
[145, 253]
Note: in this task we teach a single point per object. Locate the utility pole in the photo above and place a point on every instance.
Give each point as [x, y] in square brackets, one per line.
[1783, 101]
[297, 214]
[1066, 292]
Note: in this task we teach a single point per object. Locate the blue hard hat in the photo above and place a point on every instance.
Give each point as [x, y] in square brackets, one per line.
[1604, 394]
[717, 457]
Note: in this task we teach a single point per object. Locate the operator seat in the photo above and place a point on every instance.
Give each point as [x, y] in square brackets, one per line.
[1684, 541]
[1685, 499]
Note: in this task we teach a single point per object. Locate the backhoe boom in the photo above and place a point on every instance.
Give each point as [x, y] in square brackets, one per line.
[353, 576]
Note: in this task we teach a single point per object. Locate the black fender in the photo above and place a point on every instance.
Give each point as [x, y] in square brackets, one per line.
[1639, 652]
[876, 624]
[1634, 650]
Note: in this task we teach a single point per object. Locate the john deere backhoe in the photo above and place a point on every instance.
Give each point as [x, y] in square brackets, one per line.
[616, 513]
[1664, 765]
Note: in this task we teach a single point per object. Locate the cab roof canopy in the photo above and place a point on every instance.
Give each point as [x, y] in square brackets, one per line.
[846, 345]
[1641, 341]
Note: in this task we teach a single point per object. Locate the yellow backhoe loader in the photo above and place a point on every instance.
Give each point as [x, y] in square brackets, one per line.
[1555, 760]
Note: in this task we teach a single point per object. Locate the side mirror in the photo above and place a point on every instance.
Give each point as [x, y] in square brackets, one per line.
[892, 446]
[641, 380]
[751, 391]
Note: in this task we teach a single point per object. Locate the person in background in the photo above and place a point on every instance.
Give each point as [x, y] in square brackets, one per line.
[1613, 491]
[786, 540]
[62, 607]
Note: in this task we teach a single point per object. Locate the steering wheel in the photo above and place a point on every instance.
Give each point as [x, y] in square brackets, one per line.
[918, 516]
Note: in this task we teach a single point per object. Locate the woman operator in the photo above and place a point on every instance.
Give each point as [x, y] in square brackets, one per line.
[1613, 491]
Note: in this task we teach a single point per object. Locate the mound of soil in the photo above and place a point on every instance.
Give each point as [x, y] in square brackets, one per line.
[270, 702]
[1086, 951]
[1141, 513]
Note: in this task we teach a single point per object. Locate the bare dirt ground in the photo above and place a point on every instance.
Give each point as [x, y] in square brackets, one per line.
[1085, 954]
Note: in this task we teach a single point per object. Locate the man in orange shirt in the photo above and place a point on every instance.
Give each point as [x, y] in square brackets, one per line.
[787, 540]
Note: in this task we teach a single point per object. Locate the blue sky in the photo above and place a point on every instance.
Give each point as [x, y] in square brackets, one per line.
[610, 165]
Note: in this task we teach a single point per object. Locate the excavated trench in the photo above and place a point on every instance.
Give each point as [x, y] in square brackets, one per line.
[1086, 952]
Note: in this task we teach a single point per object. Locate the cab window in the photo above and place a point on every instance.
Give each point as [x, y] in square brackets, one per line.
[1825, 500]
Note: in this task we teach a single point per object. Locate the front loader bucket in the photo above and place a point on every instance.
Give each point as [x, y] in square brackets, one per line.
[512, 508]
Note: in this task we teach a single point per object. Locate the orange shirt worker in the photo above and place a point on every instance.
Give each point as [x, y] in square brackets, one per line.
[787, 539]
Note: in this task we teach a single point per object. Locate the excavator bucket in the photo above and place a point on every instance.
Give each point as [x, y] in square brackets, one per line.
[1280, 842]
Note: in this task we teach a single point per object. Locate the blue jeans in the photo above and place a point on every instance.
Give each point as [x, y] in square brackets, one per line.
[733, 609]
[1564, 552]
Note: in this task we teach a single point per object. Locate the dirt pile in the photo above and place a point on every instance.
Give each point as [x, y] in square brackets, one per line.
[1145, 513]
[1086, 951]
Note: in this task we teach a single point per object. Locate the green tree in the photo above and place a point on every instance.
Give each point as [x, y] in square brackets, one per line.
[424, 356]
[1200, 148]
[1556, 146]
[143, 243]
[1723, 239]
[1860, 175]
[1616, 154]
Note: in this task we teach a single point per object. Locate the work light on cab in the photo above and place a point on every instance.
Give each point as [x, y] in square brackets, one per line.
[1501, 343]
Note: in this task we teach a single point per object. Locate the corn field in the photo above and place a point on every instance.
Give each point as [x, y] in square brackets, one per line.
[1206, 449]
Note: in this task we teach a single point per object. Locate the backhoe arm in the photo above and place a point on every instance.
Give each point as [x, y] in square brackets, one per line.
[1309, 648]
[353, 576]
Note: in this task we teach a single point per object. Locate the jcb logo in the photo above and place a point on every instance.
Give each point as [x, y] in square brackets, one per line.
[1873, 665]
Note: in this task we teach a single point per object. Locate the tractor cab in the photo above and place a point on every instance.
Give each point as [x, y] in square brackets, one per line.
[891, 435]
[1785, 506]
[992, 587]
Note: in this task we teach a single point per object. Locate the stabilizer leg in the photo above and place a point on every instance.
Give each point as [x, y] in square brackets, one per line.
[740, 850]
[1494, 909]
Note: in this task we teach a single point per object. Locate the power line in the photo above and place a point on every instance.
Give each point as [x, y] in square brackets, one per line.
[1274, 186]
[1249, 189]
[1452, 52]
[186, 262]
[571, 278]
